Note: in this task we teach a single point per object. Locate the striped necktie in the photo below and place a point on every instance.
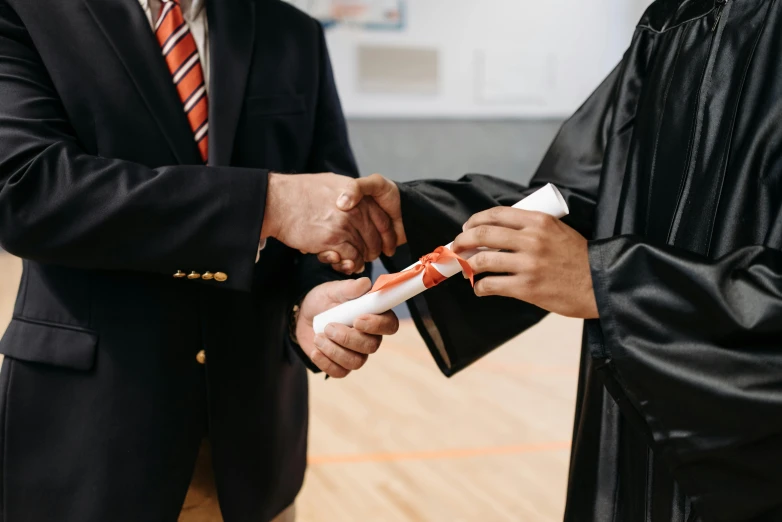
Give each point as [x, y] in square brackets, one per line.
[181, 54]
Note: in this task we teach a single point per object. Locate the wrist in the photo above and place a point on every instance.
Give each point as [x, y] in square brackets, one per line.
[271, 215]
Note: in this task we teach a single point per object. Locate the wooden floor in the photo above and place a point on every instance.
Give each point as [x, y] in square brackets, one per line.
[400, 442]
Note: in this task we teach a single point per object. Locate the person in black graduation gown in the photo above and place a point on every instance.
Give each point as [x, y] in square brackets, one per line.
[673, 173]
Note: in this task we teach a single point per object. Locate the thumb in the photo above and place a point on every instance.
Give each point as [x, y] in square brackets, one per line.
[344, 291]
[357, 189]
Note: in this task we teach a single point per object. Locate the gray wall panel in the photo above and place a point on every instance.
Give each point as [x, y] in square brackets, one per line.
[407, 150]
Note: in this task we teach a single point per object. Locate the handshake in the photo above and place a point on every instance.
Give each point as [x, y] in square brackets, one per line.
[347, 222]
[529, 256]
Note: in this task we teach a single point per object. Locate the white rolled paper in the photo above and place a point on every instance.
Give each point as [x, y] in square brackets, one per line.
[547, 200]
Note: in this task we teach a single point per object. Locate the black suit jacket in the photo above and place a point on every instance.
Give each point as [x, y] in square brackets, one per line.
[102, 402]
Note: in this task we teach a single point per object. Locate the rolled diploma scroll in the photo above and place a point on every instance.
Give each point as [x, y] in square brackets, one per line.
[547, 200]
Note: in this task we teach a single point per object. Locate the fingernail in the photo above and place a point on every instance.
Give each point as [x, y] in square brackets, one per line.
[319, 341]
[361, 324]
[343, 202]
[333, 259]
[330, 331]
[347, 266]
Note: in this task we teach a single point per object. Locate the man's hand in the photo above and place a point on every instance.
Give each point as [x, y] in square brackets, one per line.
[300, 212]
[543, 261]
[341, 349]
[378, 191]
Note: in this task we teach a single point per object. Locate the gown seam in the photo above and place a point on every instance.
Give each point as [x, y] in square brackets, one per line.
[692, 149]
[726, 155]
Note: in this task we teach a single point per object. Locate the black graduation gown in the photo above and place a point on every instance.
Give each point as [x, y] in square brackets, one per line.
[673, 170]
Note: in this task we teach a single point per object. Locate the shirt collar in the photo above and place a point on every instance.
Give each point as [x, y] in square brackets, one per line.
[191, 9]
[195, 8]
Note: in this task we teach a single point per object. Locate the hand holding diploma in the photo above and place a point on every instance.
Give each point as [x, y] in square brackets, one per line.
[340, 349]
[536, 258]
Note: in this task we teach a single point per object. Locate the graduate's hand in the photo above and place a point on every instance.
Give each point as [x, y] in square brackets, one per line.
[300, 213]
[379, 191]
[543, 261]
[341, 349]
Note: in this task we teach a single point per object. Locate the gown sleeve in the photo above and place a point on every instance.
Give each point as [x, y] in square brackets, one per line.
[459, 327]
[692, 347]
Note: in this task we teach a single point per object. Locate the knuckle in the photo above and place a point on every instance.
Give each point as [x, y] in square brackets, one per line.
[497, 213]
[354, 361]
[383, 223]
[373, 344]
[543, 220]
[329, 352]
[535, 267]
[528, 281]
[482, 232]
[341, 337]
[535, 245]
[395, 326]
[338, 373]
[360, 362]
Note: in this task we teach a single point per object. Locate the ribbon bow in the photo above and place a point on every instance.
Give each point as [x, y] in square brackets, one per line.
[432, 277]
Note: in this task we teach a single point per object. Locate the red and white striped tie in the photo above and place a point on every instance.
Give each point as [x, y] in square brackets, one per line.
[181, 54]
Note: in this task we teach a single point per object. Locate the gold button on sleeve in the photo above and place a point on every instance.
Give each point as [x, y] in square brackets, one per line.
[220, 277]
[179, 274]
[201, 357]
[208, 276]
[194, 275]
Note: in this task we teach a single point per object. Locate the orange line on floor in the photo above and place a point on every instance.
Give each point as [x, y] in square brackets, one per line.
[316, 460]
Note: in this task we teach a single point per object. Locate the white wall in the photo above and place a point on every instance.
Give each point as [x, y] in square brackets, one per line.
[548, 55]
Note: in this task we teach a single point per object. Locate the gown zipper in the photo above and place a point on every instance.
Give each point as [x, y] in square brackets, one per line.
[719, 5]
[673, 231]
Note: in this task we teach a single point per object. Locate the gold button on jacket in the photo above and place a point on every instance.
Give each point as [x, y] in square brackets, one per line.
[220, 277]
[201, 357]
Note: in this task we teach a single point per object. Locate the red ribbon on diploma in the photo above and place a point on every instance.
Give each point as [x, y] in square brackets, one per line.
[431, 276]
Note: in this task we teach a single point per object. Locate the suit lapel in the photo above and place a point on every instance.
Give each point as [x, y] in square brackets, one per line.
[127, 29]
[231, 38]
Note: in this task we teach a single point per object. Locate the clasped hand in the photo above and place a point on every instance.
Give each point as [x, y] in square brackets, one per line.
[301, 212]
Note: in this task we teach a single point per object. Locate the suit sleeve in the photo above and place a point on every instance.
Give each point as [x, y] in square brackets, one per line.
[457, 326]
[693, 348]
[60, 205]
[331, 152]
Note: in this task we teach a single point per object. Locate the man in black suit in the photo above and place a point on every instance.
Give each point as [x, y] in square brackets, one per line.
[166, 287]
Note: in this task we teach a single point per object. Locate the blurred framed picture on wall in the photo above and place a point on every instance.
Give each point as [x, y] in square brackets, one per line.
[373, 15]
